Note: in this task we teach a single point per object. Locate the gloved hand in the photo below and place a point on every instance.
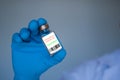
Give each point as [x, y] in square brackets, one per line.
[30, 57]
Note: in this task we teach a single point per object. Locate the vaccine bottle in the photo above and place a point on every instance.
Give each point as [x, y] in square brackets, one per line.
[50, 39]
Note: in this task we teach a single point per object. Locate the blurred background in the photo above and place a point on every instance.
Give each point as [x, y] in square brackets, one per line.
[88, 29]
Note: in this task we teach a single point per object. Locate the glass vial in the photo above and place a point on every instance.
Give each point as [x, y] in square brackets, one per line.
[50, 39]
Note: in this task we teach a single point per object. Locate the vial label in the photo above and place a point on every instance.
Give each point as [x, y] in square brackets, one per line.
[52, 43]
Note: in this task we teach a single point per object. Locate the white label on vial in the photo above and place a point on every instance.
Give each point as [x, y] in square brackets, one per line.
[52, 43]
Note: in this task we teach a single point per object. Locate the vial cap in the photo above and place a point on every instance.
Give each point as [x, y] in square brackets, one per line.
[44, 27]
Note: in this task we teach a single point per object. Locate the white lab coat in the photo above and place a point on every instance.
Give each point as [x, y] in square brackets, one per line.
[103, 68]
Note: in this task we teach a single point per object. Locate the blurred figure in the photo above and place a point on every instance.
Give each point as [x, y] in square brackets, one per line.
[103, 68]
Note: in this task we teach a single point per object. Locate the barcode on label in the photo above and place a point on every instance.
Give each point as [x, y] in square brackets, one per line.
[54, 48]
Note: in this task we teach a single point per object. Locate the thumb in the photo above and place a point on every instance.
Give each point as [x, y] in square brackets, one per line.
[57, 58]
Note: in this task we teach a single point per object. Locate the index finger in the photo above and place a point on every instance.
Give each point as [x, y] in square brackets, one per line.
[35, 24]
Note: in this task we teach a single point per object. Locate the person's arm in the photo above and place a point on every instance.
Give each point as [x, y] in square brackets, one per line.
[30, 57]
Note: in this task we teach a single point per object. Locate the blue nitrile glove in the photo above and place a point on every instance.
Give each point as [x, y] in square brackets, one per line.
[30, 57]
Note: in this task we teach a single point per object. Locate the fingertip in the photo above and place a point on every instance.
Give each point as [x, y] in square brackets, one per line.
[60, 55]
[42, 21]
[25, 34]
[33, 26]
[16, 38]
